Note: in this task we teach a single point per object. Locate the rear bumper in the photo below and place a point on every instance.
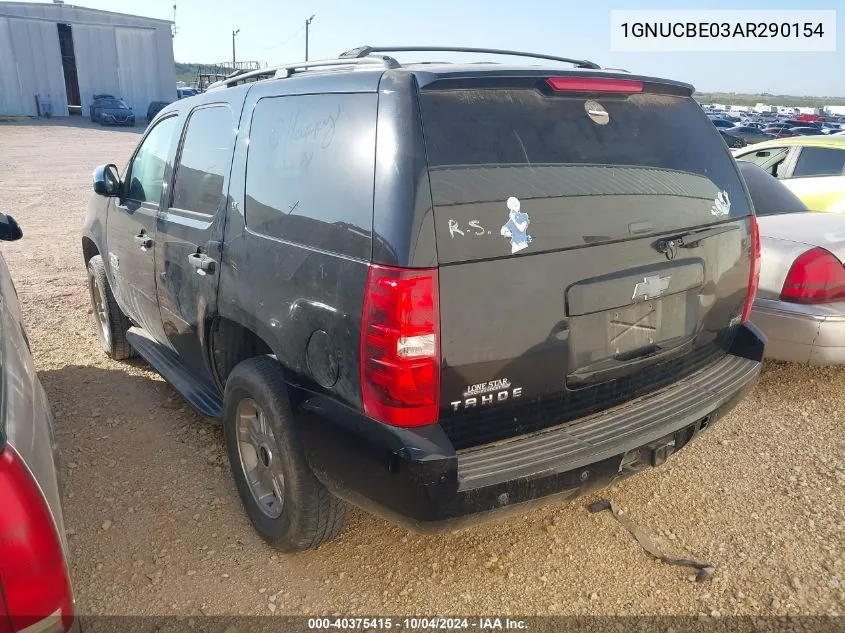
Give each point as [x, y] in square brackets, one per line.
[416, 479]
[801, 334]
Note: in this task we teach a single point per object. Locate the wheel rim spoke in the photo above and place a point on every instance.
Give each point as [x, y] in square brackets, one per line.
[256, 437]
[259, 457]
[99, 306]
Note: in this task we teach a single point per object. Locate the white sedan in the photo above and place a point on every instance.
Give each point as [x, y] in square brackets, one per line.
[800, 304]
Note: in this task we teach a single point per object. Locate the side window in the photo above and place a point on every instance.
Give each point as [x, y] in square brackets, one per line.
[820, 161]
[310, 171]
[205, 160]
[146, 173]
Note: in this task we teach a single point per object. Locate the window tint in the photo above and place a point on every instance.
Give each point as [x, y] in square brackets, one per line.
[147, 169]
[205, 160]
[820, 161]
[310, 171]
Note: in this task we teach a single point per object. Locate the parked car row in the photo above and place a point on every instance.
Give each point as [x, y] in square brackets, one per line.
[758, 129]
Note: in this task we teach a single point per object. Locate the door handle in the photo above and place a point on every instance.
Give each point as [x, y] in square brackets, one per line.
[202, 263]
[144, 241]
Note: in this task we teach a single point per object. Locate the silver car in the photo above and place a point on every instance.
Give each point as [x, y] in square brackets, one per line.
[800, 304]
[35, 590]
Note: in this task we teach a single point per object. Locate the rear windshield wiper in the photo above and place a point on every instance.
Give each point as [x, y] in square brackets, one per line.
[691, 239]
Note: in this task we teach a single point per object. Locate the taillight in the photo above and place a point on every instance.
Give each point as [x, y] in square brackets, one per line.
[34, 585]
[594, 84]
[817, 276]
[754, 273]
[400, 346]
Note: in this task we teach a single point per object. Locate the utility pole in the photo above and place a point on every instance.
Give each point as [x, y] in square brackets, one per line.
[307, 24]
[234, 59]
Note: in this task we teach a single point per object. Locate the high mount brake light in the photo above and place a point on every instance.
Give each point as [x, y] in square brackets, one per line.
[594, 84]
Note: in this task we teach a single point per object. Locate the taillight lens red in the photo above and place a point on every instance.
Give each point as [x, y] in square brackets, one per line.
[400, 346]
[817, 276]
[34, 583]
[754, 274]
[594, 84]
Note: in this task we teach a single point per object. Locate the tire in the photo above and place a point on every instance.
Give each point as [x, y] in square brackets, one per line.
[109, 320]
[288, 507]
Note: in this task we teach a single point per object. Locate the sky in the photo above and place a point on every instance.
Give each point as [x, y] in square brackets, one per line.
[273, 31]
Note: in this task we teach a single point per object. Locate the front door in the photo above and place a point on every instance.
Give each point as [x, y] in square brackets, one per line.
[131, 225]
[190, 233]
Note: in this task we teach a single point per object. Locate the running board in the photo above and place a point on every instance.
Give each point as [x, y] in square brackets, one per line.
[167, 362]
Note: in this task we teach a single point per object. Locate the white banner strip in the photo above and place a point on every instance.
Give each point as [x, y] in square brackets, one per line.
[723, 30]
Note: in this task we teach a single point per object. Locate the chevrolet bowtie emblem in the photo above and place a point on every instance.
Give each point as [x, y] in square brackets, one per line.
[651, 287]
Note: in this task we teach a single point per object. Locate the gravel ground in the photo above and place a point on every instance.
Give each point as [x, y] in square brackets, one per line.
[156, 526]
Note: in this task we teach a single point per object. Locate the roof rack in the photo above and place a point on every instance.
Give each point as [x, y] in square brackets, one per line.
[286, 70]
[363, 51]
[362, 56]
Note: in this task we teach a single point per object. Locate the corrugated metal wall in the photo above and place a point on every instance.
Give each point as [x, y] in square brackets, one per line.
[138, 68]
[127, 56]
[35, 65]
[96, 51]
[10, 89]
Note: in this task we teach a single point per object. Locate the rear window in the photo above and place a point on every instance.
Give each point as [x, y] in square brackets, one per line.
[578, 171]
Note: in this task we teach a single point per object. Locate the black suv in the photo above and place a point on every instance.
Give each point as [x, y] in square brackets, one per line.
[431, 290]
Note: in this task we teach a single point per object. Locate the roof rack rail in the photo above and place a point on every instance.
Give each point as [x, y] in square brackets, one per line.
[286, 70]
[363, 51]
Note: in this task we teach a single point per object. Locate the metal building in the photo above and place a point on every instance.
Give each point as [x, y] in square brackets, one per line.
[55, 57]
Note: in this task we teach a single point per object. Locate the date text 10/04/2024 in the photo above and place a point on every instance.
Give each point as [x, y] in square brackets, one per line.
[419, 624]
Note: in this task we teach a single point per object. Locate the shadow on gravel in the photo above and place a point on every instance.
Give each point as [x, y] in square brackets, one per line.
[131, 392]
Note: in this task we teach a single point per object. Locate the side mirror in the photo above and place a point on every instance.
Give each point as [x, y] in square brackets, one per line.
[107, 181]
[9, 229]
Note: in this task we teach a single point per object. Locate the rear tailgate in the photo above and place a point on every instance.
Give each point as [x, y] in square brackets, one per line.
[559, 292]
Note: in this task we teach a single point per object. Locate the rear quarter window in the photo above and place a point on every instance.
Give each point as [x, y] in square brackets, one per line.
[310, 171]
[585, 171]
[819, 161]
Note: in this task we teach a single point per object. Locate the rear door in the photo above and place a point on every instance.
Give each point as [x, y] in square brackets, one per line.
[817, 176]
[592, 248]
[190, 232]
